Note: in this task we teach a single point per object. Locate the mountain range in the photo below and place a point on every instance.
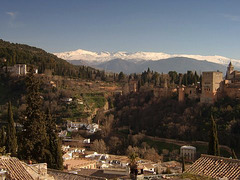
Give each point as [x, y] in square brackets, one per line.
[140, 61]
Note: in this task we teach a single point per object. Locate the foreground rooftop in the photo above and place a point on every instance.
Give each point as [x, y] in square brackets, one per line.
[216, 167]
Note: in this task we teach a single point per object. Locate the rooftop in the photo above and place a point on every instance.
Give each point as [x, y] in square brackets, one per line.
[78, 163]
[15, 168]
[216, 167]
[188, 147]
[99, 173]
[18, 170]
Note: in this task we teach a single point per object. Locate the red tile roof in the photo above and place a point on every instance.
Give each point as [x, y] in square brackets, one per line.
[216, 167]
[15, 168]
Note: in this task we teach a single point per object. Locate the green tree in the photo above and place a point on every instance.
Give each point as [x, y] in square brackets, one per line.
[34, 137]
[213, 146]
[190, 78]
[99, 146]
[185, 80]
[174, 77]
[133, 165]
[11, 133]
[3, 137]
[55, 160]
[183, 164]
[121, 76]
[2, 151]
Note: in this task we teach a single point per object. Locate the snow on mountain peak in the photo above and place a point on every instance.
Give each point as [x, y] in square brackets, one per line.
[81, 54]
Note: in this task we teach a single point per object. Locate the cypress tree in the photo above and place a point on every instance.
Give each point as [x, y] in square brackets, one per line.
[11, 133]
[133, 165]
[34, 136]
[183, 164]
[213, 146]
[54, 146]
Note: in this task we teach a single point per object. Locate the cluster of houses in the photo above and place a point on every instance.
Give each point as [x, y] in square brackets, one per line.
[92, 165]
[19, 69]
[79, 159]
[75, 126]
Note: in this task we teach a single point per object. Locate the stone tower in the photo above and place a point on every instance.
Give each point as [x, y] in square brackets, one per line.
[210, 86]
[181, 94]
[229, 71]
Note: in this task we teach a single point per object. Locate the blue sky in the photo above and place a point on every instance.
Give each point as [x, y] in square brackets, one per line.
[206, 27]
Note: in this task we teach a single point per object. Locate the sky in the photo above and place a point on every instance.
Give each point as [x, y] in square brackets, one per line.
[205, 27]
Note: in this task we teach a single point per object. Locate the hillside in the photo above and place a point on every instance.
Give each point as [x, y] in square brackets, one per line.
[189, 121]
[21, 53]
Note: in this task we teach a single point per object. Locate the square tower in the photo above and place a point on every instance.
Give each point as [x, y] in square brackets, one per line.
[210, 86]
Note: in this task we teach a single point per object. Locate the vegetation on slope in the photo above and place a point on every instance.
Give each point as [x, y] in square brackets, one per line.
[189, 121]
[24, 54]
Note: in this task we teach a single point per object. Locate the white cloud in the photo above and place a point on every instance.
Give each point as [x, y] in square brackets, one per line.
[232, 17]
[12, 20]
[12, 14]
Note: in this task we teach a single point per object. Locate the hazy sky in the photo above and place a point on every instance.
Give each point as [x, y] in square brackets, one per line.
[206, 27]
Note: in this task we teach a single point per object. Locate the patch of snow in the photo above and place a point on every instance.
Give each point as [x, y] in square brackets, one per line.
[99, 57]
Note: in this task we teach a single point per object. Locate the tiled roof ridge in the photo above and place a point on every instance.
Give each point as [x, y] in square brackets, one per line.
[220, 158]
[15, 168]
[216, 167]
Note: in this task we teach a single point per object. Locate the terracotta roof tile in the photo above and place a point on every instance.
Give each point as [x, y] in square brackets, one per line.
[15, 168]
[216, 167]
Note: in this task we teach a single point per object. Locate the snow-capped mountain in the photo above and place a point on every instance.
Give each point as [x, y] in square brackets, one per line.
[100, 57]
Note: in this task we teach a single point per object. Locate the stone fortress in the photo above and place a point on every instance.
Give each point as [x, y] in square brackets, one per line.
[214, 86]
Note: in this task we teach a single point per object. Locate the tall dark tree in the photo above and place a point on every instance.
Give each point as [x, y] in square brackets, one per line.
[3, 137]
[55, 160]
[121, 76]
[174, 77]
[183, 164]
[133, 165]
[213, 146]
[11, 133]
[34, 136]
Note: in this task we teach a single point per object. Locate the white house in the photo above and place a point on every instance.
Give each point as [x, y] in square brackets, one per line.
[67, 156]
[74, 126]
[67, 100]
[18, 69]
[92, 128]
[65, 148]
[87, 141]
[149, 168]
[62, 134]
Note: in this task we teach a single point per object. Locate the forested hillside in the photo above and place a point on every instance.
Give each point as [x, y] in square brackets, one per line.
[189, 121]
[20, 53]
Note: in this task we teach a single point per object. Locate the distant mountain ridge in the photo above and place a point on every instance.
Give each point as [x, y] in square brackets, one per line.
[178, 64]
[99, 57]
[140, 61]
